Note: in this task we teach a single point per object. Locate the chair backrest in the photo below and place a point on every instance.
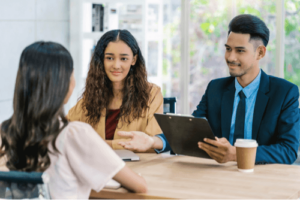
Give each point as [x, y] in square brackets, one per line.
[169, 105]
[24, 185]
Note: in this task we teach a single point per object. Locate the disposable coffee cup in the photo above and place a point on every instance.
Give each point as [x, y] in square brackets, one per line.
[245, 154]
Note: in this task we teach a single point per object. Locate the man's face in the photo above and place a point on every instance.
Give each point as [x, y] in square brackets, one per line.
[240, 54]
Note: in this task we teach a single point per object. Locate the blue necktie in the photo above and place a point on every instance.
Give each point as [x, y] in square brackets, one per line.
[240, 117]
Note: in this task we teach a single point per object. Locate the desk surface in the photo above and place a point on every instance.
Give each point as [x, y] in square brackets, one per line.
[187, 177]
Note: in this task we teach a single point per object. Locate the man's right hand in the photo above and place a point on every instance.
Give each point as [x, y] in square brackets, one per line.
[140, 141]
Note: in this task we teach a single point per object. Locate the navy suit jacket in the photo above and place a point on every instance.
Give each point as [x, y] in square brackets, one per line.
[276, 122]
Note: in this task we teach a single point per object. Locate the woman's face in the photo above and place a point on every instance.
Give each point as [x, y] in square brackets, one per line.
[71, 88]
[118, 59]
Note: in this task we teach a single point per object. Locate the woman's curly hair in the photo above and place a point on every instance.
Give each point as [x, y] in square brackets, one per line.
[42, 84]
[98, 89]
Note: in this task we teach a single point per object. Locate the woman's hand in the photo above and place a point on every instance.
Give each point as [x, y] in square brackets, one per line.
[140, 141]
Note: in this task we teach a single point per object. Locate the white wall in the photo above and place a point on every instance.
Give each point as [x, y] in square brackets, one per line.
[23, 22]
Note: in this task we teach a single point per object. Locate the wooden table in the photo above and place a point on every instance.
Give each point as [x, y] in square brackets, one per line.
[187, 177]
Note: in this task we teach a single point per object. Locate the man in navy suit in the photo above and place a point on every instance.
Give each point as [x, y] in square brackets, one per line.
[249, 104]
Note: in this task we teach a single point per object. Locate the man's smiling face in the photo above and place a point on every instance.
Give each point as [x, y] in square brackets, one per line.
[241, 55]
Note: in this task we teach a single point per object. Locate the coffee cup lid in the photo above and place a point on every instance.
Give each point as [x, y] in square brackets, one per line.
[245, 143]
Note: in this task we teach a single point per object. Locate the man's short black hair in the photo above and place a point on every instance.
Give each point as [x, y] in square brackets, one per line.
[250, 24]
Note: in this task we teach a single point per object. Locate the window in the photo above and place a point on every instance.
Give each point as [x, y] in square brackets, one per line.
[208, 34]
[265, 10]
[171, 50]
[292, 42]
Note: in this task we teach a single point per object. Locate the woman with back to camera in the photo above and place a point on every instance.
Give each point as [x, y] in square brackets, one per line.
[117, 95]
[38, 137]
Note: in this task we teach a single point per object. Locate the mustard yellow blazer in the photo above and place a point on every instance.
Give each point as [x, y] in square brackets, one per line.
[146, 124]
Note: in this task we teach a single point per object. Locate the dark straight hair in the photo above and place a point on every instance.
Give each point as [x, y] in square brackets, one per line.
[250, 24]
[42, 83]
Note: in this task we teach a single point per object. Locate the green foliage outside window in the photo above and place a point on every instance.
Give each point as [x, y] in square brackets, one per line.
[209, 21]
[292, 41]
[266, 10]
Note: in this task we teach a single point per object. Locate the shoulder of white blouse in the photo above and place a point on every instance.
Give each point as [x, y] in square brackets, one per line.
[78, 127]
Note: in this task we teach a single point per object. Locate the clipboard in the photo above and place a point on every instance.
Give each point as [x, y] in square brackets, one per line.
[183, 133]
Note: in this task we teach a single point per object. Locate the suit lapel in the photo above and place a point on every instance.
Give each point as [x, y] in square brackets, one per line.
[260, 103]
[226, 109]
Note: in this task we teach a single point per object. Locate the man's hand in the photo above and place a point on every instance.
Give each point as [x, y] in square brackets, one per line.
[140, 141]
[222, 151]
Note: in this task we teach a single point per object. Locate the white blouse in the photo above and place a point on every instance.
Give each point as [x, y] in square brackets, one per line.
[85, 162]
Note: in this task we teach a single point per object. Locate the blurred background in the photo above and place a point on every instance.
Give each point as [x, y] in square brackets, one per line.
[182, 41]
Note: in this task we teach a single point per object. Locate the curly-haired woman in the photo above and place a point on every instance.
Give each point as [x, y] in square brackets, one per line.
[117, 95]
[38, 137]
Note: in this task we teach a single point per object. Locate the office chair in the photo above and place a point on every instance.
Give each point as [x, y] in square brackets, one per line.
[24, 185]
[169, 105]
